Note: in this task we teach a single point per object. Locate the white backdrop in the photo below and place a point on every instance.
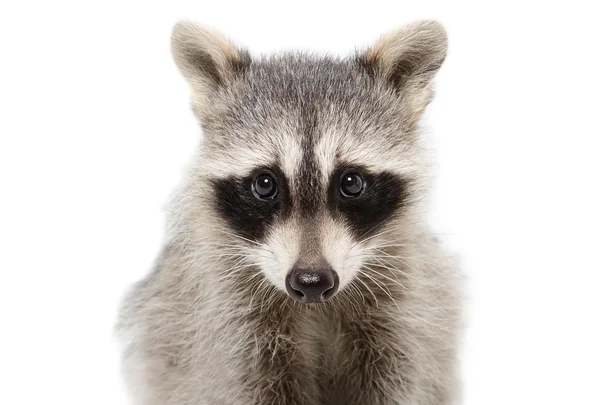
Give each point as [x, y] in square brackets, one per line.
[95, 131]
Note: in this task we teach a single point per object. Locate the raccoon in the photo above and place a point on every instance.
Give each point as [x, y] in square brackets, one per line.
[298, 267]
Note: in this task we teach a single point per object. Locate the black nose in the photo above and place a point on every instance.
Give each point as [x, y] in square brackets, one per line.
[307, 285]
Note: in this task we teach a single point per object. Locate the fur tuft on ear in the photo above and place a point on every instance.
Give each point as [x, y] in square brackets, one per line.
[204, 58]
[408, 59]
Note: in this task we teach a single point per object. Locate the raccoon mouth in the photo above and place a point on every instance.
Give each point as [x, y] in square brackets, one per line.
[312, 285]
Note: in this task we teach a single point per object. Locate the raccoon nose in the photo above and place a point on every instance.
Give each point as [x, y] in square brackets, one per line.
[308, 285]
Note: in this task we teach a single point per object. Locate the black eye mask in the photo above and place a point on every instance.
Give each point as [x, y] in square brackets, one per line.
[250, 204]
[365, 200]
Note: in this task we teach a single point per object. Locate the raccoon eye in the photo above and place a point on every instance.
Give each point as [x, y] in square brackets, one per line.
[264, 187]
[351, 184]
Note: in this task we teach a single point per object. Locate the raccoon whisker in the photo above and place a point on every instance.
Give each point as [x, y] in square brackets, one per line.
[268, 292]
[392, 245]
[383, 232]
[231, 266]
[430, 281]
[221, 230]
[218, 253]
[232, 271]
[350, 296]
[243, 238]
[221, 248]
[423, 222]
[368, 288]
[253, 293]
[408, 258]
[192, 280]
[243, 248]
[351, 291]
[382, 260]
[235, 270]
[211, 243]
[228, 258]
[395, 271]
[378, 264]
[360, 238]
[248, 279]
[240, 257]
[234, 252]
[222, 255]
[384, 276]
[359, 251]
[407, 265]
[382, 288]
[359, 292]
[230, 255]
[391, 267]
[267, 297]
[353, 252]
[389, 249]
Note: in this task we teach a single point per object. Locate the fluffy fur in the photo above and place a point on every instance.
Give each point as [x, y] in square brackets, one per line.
[212, 324]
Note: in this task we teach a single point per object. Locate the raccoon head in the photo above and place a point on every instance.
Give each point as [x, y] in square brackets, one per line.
[312, 164]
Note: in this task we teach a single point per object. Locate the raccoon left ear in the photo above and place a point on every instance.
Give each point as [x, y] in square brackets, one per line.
[408, 59]
[206, 60]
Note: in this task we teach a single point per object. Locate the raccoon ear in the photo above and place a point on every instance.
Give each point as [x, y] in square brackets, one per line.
[204, 58]
[409, 58]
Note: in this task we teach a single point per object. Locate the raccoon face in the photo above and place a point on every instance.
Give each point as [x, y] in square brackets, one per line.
[312, 165]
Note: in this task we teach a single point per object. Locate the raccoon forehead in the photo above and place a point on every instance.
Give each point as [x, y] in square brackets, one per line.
[241, 158]
[276, 113]
[329, 151]
[370, 151]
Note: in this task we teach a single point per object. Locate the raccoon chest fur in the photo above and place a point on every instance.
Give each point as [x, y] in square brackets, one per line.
[329, 351]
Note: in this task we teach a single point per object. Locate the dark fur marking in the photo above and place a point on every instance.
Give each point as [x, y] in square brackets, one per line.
[366, 65]
[239, 66]
[205, 65]
[383, 195]
[308, 184]
[245, 213]
[402, 70]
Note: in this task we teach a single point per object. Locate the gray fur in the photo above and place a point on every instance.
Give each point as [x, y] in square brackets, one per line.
[213, 325]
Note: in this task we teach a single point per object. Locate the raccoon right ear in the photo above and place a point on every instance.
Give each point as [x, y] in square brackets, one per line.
[204, 58]
[408, 59]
